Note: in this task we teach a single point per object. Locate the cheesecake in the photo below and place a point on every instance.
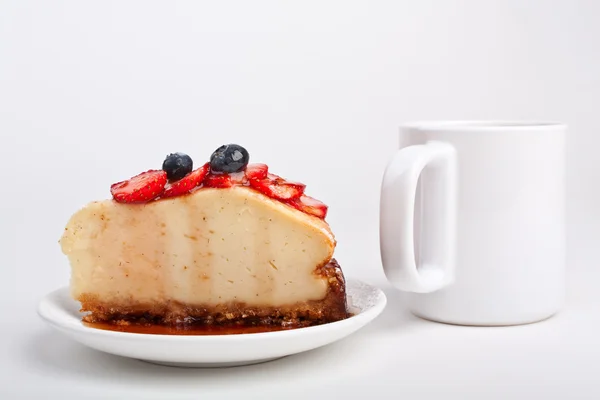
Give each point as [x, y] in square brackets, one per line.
[226, 243]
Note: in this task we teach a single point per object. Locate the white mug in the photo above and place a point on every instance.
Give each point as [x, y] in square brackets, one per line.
[472, 221]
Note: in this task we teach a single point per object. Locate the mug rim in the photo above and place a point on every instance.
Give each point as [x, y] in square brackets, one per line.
[483, 125]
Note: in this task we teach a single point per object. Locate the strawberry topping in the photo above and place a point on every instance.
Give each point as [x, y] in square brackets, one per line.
[218, 181]
[310, 206]
[141, 188]
[187, 183]
[278, 188]
[256, 171]
[228, 167]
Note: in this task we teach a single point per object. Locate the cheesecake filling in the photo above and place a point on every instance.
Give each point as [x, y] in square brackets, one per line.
[214, 252]
[332, 307]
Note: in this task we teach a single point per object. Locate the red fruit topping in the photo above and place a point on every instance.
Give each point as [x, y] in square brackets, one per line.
[187, 183]
[154, 184]
[140, 188]
[256, 171]
[310, 206]
[218, 181]
[278, 188]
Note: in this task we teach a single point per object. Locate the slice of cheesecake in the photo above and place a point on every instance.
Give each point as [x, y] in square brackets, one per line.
[245, 247]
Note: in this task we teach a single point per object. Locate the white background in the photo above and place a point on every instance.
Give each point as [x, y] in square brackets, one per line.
[94, 92]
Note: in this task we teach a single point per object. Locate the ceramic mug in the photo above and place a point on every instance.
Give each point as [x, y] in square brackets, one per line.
[472, 221]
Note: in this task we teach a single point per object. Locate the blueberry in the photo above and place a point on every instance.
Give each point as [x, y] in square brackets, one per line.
[229, 158]
[177, 165]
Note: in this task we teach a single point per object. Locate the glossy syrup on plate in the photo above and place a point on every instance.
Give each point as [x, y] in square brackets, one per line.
[189, 330]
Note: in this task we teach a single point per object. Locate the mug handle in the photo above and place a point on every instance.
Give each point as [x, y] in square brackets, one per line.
[396, 219]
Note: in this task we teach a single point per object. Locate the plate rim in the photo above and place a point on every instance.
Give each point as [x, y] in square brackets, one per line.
[75, 324]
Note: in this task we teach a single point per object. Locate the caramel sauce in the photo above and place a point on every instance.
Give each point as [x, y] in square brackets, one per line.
[189, 330]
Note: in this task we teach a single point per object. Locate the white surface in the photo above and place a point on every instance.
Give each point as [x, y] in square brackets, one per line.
[90, 92]
[491, 202]
[366, 302]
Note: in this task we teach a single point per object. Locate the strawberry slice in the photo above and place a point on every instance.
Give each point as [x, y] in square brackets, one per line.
[141, 188]
[278, 188]
[256, 171]
[187, 183]
[217, 181]
[310, 205]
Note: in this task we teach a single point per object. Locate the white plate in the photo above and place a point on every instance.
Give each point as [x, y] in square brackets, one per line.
[62, 312]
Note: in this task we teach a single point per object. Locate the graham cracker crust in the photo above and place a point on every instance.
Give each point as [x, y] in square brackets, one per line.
[333, 307]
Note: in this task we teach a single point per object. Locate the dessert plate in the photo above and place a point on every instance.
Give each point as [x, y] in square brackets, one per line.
[365, 302]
